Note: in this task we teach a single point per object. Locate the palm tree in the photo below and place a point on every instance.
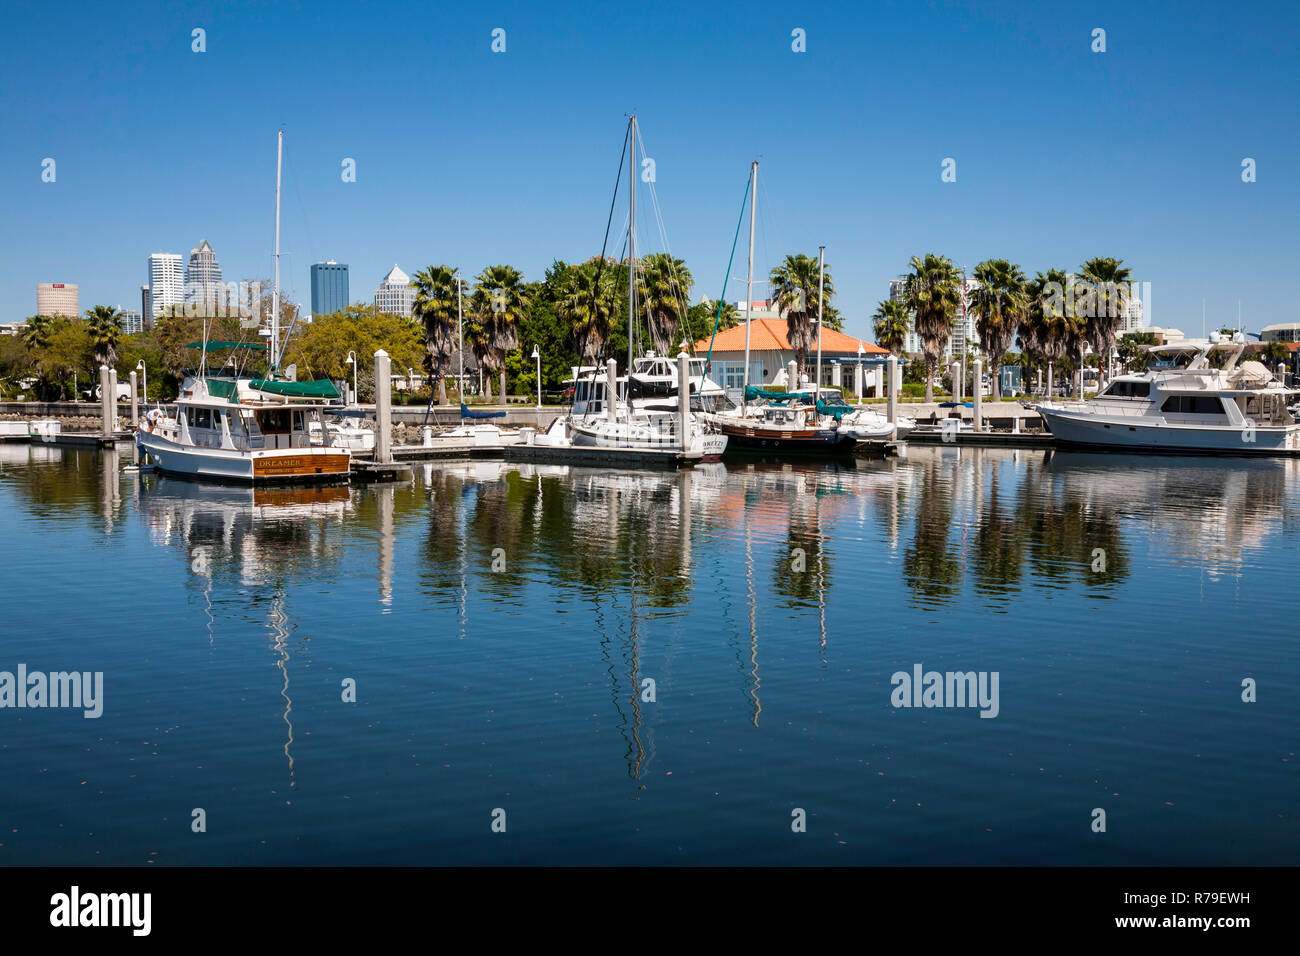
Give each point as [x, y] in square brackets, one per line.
[794, 286]
[434, 307]
[105, 326]
[999, 303]
[891, 325]
[664, 288]
[587, 300]
[498, 303]
[1051, 326]
[932, 294]
[37, 332]
[1105, 300]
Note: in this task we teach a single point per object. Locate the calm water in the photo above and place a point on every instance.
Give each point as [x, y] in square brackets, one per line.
[225, 622]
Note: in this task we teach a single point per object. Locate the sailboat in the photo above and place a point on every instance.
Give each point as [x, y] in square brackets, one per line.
[787, 421]
[644, 413]
[246, 428]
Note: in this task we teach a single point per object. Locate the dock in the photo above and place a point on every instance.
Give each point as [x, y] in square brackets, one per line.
[591, 455]
[972, 439]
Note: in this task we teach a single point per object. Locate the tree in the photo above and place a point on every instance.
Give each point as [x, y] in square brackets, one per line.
[434, 307]
[891, 322]
[703, 315]
[322, 350]
[932, 294]
[1103, 302]
[999, 303]
[794, 286]
[498, 304]
[105, 326]
[588, 300]
[664, 287]
[37, 331]
[1132, 348]
[1050, 328]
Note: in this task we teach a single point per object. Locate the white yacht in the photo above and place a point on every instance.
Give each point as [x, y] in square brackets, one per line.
[1195, 398]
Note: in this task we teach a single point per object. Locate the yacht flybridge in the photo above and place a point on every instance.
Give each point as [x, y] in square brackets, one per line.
[1194, 398]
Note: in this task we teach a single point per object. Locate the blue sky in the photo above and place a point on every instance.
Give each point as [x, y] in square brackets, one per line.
[470, 157]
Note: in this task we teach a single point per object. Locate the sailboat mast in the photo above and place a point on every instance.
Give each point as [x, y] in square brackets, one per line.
[275, 287]
[631, 250]
[821, 286]
[749, 281]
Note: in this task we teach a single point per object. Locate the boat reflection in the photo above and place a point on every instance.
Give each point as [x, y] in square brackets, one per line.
[250, 545]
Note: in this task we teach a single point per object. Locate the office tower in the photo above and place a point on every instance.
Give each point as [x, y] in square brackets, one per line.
[203, 278]
[165, 284]
[395, 294]
[57, 298]
[329, 287]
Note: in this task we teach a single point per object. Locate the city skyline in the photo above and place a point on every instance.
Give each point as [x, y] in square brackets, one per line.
[1098, 158]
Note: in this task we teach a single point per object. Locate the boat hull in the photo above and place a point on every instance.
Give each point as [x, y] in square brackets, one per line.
[742, 439]
[1133, 434]
[710, 445]
[260, 466]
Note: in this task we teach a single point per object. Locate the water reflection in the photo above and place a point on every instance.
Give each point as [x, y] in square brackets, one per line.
[252, 545]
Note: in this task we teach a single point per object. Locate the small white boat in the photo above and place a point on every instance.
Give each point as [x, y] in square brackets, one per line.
[481, 436]
[343, 434]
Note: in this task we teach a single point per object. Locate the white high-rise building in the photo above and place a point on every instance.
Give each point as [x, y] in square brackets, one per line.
[57, 298]
[963, 322]
[166, 284]
[395, 294]
[203, 277]
[132, 321]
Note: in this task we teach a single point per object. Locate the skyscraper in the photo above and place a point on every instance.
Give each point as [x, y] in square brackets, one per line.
[144, 305]
[395, 294]
[329, 287]
[57, 298]
[165, 284]
[132, 323]
[203, 277]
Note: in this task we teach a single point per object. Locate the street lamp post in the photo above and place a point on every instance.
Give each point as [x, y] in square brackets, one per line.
[352, 360]
[538, 356]
[861, 352]
[140, 367]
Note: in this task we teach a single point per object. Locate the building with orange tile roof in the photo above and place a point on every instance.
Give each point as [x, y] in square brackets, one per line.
[770, 351]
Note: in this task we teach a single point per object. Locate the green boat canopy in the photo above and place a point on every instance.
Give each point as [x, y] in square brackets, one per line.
[225, 346]
[753, 391]
[321, 388]
[221, 388]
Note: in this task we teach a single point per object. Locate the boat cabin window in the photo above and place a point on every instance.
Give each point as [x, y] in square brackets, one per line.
[200, 418]
[1128, 390]
[1193, 405]
[274, 420]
